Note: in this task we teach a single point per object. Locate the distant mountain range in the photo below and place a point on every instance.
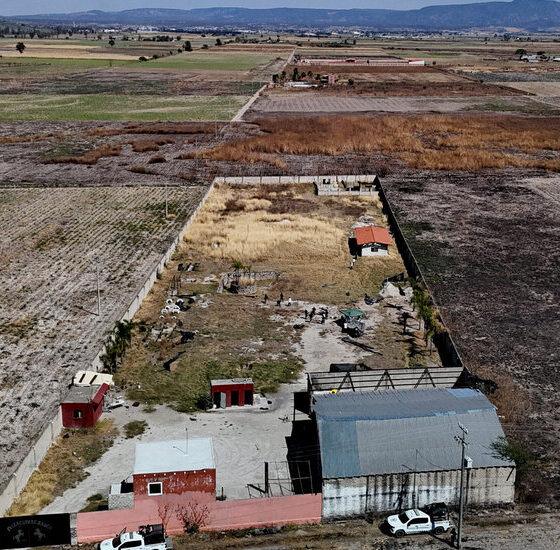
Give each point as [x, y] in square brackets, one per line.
[529, 15]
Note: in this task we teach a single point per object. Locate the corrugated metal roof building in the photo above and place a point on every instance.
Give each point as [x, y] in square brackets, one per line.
[389, 450]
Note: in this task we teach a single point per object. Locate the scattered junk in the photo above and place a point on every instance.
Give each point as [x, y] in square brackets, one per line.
[365, 347]
[188, 267]
[352, 321]
[83, 406]
[231, 392]
[369, 301]
[116, 403]
[92, 378]
[370, 240]
[244, 282]
[173, 308]
[400, 450]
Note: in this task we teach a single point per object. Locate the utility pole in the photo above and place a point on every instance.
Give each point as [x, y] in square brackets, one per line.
[98, 291]
[462, 440]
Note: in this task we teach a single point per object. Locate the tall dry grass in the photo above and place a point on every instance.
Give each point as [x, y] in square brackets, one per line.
[289, 229]
[439, 142]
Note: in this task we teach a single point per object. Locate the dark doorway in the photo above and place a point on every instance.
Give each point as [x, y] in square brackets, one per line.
[248, 397]
[234, 398]
[219, 400]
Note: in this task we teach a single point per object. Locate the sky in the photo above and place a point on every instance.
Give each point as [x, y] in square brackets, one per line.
[69, 6]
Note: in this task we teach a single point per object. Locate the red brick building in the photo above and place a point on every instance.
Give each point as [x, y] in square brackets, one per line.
[174, 467]
[83, 406]
[232, 392]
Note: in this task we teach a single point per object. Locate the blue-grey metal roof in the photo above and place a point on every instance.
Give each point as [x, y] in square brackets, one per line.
[404, 431]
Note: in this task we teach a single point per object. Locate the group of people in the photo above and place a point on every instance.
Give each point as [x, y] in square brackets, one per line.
[323, 312]
[279, 301]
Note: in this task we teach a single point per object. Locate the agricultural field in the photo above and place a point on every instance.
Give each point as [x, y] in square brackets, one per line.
[119, 107]
[52, 242]
[77, 80]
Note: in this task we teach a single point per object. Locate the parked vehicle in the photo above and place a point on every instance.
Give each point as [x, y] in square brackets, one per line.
[433, 519]
[149, 537]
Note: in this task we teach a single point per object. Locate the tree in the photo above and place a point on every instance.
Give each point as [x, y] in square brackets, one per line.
[218, 42]
[188, 47]
[165, 511]
[20, 46]
[193, 516]
[111, 42]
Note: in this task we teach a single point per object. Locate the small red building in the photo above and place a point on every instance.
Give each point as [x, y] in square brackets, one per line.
[174, 467]
[232, 392]
[83, 406]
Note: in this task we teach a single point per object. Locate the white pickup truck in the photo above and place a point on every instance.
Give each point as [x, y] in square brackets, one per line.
[149, 537]
[411, 522]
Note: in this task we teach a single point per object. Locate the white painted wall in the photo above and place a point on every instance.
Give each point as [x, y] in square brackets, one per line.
[348, 497]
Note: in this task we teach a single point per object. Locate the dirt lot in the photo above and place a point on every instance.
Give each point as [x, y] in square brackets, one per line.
[48, 245]
[488, 246]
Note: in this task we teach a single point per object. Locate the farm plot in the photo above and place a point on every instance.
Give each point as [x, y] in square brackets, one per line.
[488, 245]
[118, 107]
[303, 103]
[49, 242]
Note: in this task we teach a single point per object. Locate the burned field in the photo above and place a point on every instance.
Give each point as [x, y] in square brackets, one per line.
[488, 247]
[52, 242]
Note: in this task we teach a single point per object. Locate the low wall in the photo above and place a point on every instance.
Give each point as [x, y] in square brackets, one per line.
[222, 515]
[392, 492]
[258, 180]
[21, 476]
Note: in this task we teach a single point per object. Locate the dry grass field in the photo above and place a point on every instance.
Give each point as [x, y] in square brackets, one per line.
[49, 329]
[433, 142]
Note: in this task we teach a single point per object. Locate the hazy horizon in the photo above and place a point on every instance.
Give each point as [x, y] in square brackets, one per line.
[34, 7]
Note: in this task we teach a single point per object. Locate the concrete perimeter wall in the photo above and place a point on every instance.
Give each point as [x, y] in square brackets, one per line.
[29, 464]
[21, 476]
[256, 180]
[392, 492]
[221, 515]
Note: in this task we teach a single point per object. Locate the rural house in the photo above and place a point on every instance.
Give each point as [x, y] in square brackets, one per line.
[372, 240]
[396, 449]
[83, 406]
[174, 467]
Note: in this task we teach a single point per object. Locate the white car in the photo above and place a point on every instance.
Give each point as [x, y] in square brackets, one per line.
[416, 521]
[150, 537]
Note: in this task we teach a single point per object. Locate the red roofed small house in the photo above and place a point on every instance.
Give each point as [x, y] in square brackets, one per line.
[83, 406]
[372, 240]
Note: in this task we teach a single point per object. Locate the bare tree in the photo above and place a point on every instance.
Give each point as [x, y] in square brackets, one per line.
[192, 515]
[165, 512]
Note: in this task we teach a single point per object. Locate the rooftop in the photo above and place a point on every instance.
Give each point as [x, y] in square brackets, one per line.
[231, 381]
[372, 234]
[174, 456]
[399, 431]
[81, 394]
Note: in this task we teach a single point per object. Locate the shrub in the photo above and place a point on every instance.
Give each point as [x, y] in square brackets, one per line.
[135, 428]
[157, 159]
